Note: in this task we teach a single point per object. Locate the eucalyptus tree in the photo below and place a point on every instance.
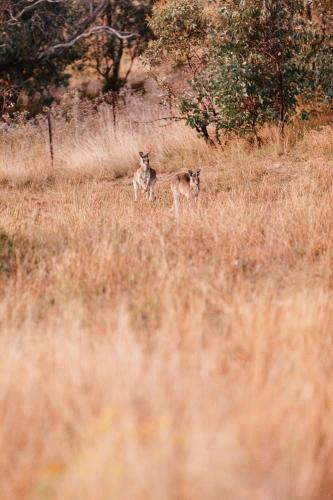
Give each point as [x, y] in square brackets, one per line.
[255, 59]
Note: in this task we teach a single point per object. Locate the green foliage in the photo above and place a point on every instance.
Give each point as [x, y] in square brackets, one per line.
[23, 37]
[180, 29]
[262, 55]
[28, 29]
[182, 32]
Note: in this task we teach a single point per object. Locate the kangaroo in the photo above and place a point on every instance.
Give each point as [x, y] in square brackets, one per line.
[186, 184]
[144, 178]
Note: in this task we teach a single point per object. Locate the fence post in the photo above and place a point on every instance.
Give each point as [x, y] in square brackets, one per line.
[50, 137]
[114, 112]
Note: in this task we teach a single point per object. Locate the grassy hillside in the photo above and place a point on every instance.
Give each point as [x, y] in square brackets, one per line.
[147, 358]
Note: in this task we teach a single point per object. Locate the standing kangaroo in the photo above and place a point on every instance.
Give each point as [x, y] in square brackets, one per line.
[144, 178]
[186, 184]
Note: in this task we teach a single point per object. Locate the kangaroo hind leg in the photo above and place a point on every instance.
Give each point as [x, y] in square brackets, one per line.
[175, 195]
[152, 192]
[136, 189]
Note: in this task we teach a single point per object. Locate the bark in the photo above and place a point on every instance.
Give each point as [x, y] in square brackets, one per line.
[202, 129]
[113, 81]
[281, 104]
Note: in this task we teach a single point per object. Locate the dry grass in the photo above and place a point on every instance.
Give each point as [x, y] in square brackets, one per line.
[144, 358]
[86, 144]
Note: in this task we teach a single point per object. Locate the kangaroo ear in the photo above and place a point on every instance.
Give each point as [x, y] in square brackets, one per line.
[198, 172]
[190, 172]
[141, 154]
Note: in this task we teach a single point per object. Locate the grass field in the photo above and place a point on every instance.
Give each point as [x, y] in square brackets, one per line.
[143, 357]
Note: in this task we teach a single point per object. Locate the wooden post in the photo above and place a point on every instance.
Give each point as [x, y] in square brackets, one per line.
[50, 137]
[114, 112]
[170, 101]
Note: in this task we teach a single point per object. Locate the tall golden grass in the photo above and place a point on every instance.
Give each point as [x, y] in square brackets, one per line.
[144, 357]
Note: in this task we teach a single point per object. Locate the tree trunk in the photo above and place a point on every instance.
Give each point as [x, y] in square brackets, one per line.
[282, 117]
[308, 9]
[113, 81]
[202, 129]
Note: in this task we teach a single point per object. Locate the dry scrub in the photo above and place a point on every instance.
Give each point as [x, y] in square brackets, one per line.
[144, 358]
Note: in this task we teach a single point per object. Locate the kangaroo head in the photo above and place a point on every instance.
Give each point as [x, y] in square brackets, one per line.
[194, 178]
[144, 160]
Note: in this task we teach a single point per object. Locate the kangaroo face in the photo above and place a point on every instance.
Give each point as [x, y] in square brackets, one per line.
[194, 180]
[144, 160]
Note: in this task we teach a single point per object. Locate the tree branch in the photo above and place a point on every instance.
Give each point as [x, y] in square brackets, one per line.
[164, 118]
[92, 17]
[15, 19]
[55, 49]
[129, 69]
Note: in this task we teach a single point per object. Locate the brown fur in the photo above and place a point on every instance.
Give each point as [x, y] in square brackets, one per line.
[185, 184]
[144, 178]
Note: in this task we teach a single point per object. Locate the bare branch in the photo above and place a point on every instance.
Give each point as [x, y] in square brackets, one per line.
[82, 31]
[164, 118]
[101, 7]
[17, 17]
[122, 35]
